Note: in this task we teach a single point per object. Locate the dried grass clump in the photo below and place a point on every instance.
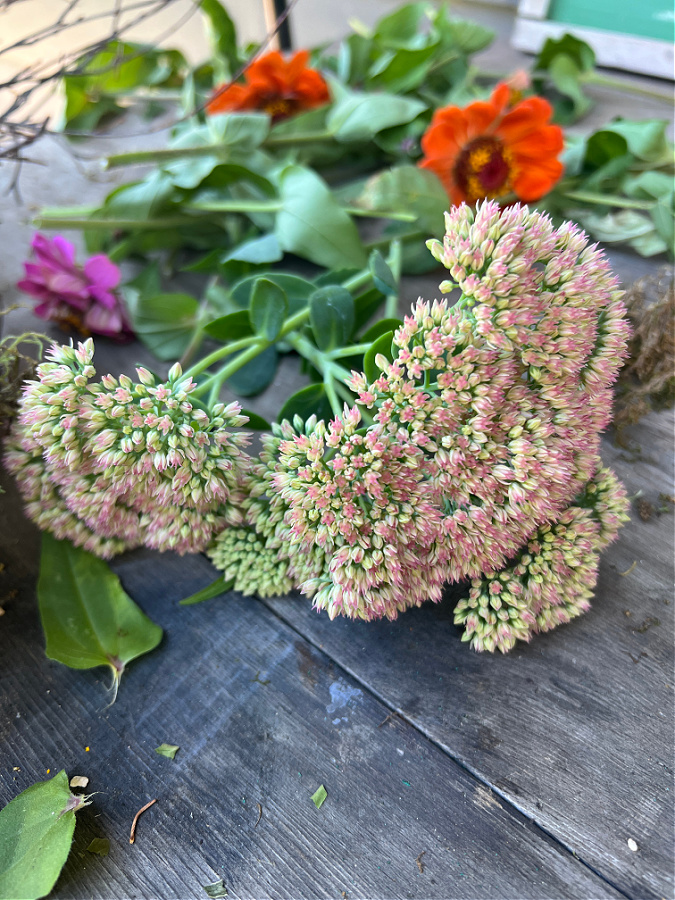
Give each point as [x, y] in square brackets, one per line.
[647, 381]
[15, 367]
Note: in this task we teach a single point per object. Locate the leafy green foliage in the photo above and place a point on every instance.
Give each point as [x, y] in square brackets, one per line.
[222, 34]
[312, 224]
[118, 69]
[309, 401]
[231, 327]
[297, 290]
[331, 314]
[407, 187]
[256, 375]
[87, 618]
[559, 72]
[36, 833]
[99, 846]
[165, 323]
[381, 346]
[383, 277]
[359, 116]
[268, 308]
[319, 796]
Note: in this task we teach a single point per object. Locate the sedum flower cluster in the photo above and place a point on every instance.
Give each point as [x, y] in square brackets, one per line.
[114, 464]
[474, 455]
[481, 459]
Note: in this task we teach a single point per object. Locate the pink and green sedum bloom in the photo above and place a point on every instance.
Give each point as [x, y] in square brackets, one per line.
[81, 297]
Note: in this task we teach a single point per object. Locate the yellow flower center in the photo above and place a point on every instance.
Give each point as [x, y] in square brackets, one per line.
[483, 169]
[278, 107]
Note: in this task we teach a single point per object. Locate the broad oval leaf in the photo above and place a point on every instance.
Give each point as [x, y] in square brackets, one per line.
[412, 189]
[87, 618]
[165, 323]
[359, 116]
[231, 327]
[268, 309]
[309, 401]
[298, 290]
[36, 833]
[381, 346]
[256, 375]
[382, 275]
[255, 422]
[311, 224]
[380, 328]
[331, 315]
[260, 250]
[245, 131]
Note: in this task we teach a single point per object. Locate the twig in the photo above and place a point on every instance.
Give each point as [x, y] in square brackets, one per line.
[628, 571]
[132, 833]
[420, 864]
[259, 814]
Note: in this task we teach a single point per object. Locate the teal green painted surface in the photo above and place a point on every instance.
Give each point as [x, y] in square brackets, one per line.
[647, 18]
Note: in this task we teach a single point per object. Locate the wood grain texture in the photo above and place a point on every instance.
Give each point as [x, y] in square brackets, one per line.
[260, 717]
[576, 728]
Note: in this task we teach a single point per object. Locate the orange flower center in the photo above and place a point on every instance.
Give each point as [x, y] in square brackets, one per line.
[278, 107]
[483, 169]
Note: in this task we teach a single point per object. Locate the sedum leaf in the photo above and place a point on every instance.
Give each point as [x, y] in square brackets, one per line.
[36, 831]
[331, 314]
[268, 308]
[168, 750]
[88, 619]
[319, 796]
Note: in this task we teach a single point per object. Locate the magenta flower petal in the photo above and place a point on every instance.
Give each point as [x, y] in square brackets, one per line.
[56, 254]
[105, 298]
[34, 288]
[102, 272]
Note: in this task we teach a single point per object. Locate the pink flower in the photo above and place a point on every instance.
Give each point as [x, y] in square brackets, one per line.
[81, 297]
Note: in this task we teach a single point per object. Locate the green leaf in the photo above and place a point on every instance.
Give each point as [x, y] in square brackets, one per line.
[565, 75]
[222, 33]
[229, 328]
[311, 223]
[298, 290]
[412, 189]
[401, 27]
[216, 890]
[256, 375]
[359, 116]
[87, 618]
[243, 131]
[645, 139]
[331, 315]
[215, 589]
[468, 37]
[382, 274]
[99, 846]
[401, 70]
[268, 309]
[165, 323]
[381, 346]
[140, 201]
[259, 251]
[319, 796]
[36, 832]
[255, 422]
[309, 401]
[168, 750]
[379, 328]
[577, 50]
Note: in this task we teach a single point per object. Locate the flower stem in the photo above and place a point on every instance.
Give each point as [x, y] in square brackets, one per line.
[609, 200]
[394, 261]
[45, 220]
[621, 85]
[166, 155]
[280, 140]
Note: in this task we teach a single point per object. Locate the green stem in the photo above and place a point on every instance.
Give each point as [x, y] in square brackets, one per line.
[609, 200]
[168, 154]
[47, 221]
[396, 216]
[357, 281]
[383, 242]
[219, 354]
[333, 399]
[243, 206]
[352, 350]
[394, 261]
[280, 140]
[621, 85]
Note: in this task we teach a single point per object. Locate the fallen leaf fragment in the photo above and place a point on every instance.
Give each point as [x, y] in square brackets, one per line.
[168, 750]
[79, 781]
[132, 833]
[259, 805]
[100, 846]
[420, 864]
[319, 796]
[216, 890]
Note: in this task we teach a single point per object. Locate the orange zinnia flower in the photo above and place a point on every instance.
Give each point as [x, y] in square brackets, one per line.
[494, 147]
[276, 86]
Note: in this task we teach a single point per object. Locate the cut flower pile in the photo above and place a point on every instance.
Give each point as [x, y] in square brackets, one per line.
[469, 450]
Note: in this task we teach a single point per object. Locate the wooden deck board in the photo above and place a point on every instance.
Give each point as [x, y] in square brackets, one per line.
[260, 717]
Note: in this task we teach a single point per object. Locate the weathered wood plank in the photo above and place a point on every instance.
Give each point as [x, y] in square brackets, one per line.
[260, 717]
[576, 728]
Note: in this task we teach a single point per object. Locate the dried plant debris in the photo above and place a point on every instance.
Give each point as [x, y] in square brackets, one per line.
[648, 379]
[79, 781]
[99, 846]
[15, 366]
[216, 890]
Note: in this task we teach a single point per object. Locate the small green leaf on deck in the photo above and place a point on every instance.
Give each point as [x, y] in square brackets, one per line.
[100, 846]
[36, 832]
[216, 890]
[168, 750]
[319, 796]
[87, 618]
